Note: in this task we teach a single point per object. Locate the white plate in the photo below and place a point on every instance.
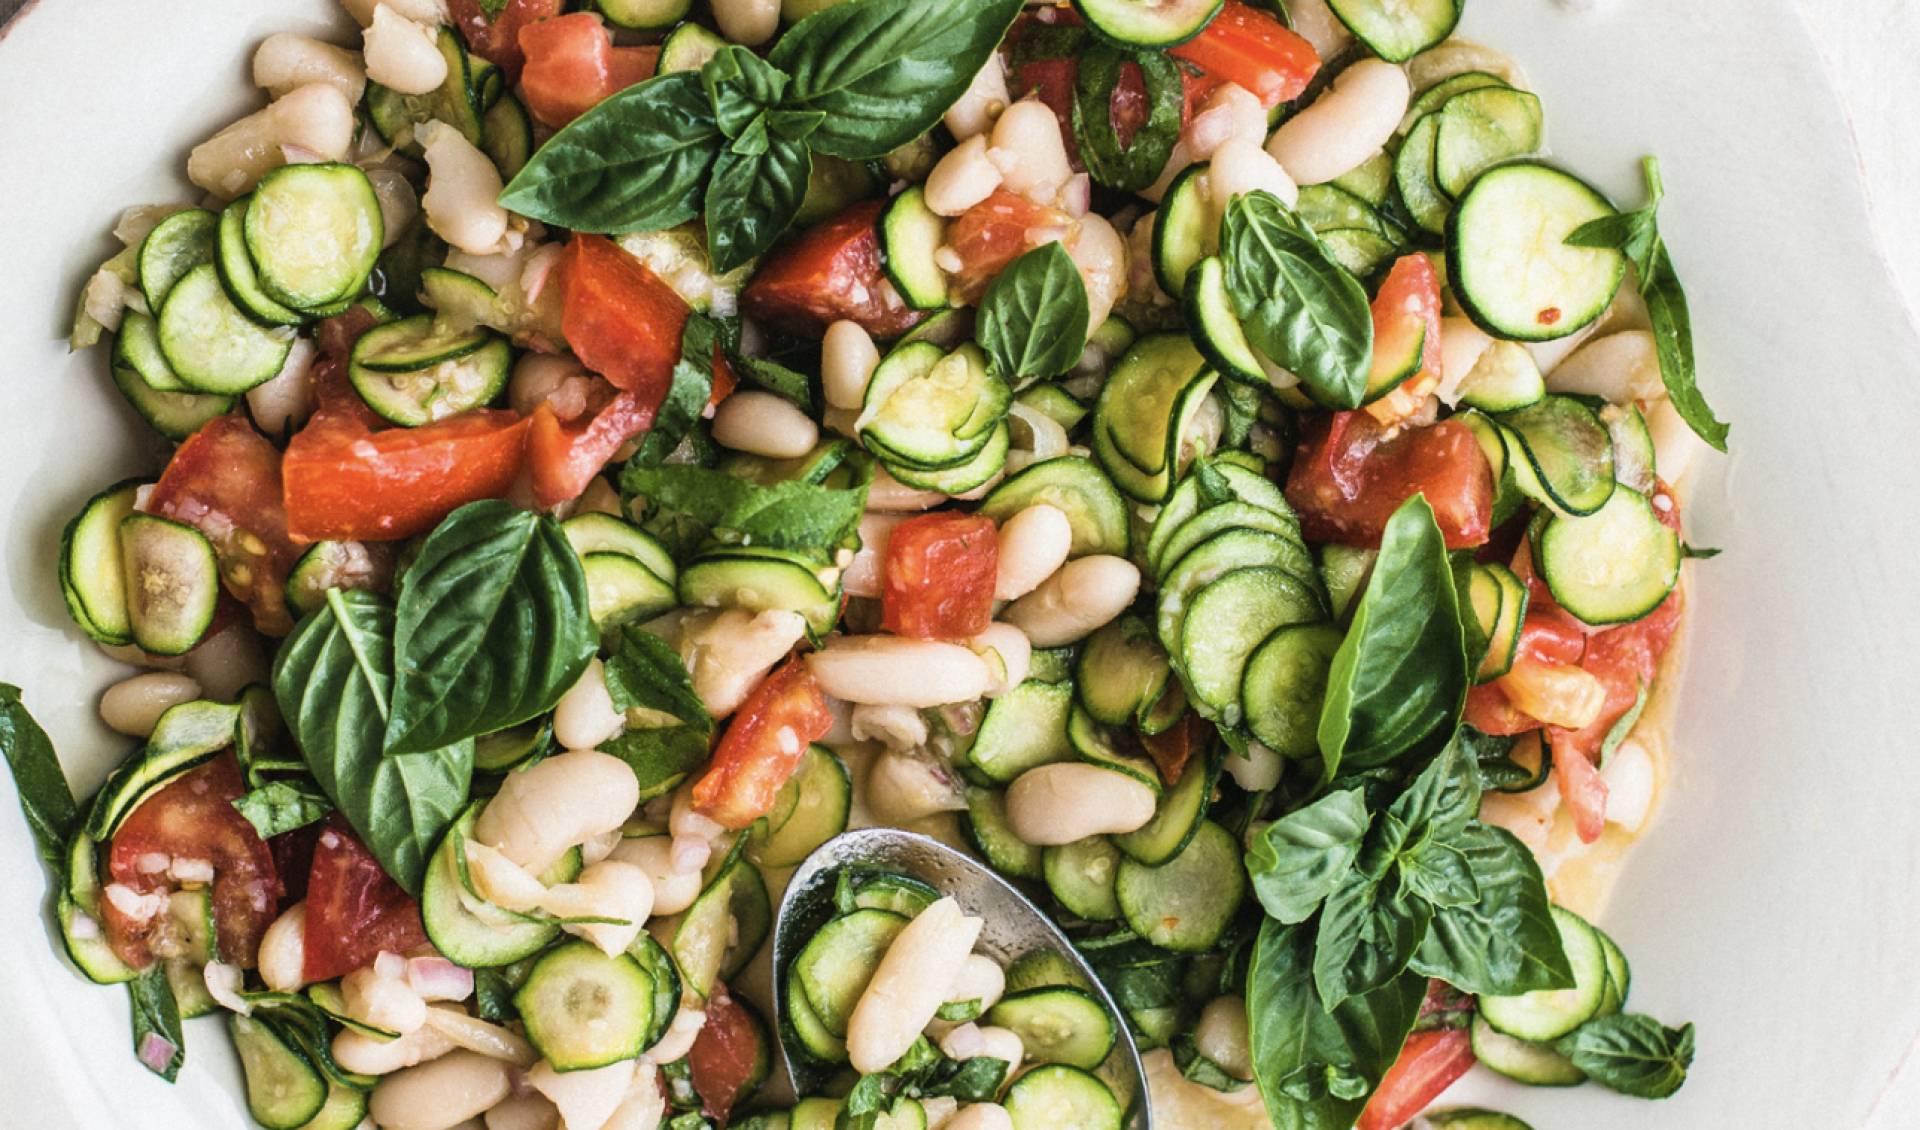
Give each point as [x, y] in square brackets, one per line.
[1775, 904]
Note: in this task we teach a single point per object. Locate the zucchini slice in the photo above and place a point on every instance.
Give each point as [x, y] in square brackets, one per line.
[1397, 30]
[210, 344]
[1248, 486]
[1186, 229]
[172, 583]
[1433, 97]
[1229, 616]
[1078, 488]
[1177, 817]
[1614, 565]
[1216, 557]
[1285, 684]
[837, 962]
[137, 347]
[603, 533]
[644, 15]
[991, 835]
[620, 589]
[284, 1089]
[1112, 748]
[1483, 128]
[1023, 729]
[723, 929]
[910, 233]
[1058, 1025]
[1216, 325]
[932, 410]
[175, 415]
[314, 232]
[1080, 875]
[471, 371]
[988, 462]
[1058, 1097]
[508, 132]
[1186, 903]
[1148, 23]
[584, 1009]
[810, 809]
[456, 102]
[687, 48]
[1561, 454]
[93, 575]
[1505, 379]
[1140, 423]
[467, 930]
[1413, 176]
[1503, 632]
[1122, 670]
[760, 580]
[1508, 259]
[186, 736]
[1536, 1065]
[1549, 1014]
[176, 245]
[235, 265]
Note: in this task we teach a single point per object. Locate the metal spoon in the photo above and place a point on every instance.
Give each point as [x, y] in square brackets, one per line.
[1014, 927]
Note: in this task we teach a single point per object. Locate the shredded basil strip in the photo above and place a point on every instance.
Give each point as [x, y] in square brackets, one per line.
[1138, 162]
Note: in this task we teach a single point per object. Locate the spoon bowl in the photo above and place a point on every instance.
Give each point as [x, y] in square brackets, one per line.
[1013, 928]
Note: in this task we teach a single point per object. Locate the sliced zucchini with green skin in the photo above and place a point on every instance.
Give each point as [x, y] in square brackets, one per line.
[1413, 176]
[344, 1109]
[1229, 516]
[186, 736]
[1362, 251]
[621, 590]
[988, 462]
[78, 913]
[1055, 403]
[1248, 486]
[1182, 808]
[419, 342]
[815, 1113]
[1508, 260]
[1436, 96]
[1285, 684]
[653, 958]
[1549, 1014]
[395, 115]
[1153, 23]
[1536, 1065]
[1186, 229]
[1113, 336]
[1503, 639]
[643, 15]
[1397, 30]
[1186, 903]
[1612, 566]
[1632, 446]
[1480, 129]
[235, 265]
[724, 927]
[1216, 326]
[932, 410]
[583, 1009]
[1371, 181]
[503, 749]
[467, 931]
[329, 565]
[175, 245]
[884, 890]
[1619, 975]
[137, 347]
[992, 836]
[509, 136]
[1507, 499]
[1081, 874]
[284, 1089]
[604, 533]
[1023, 729]
[314, 232]
[1216, 557]
[1110, 748]
[210, 344]
[1561, 454]
[1505, 379]
[460, 303]
[1140, 422]
[1059, 1097]
[1121, 671]
[1473, 1119]
[803, 1025]
[1228, 617]
[93, 576]
[1328, 207]
[1344, 570]
[1077, 487]
[172, 583]
[437, 391]
[910, 233]
[687, 48]
[1041, 968]
[1058, 1025]
[759, 583]
[837, 962]
[810, 809]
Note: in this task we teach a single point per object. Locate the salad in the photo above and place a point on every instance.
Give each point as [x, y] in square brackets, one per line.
[1201, 457]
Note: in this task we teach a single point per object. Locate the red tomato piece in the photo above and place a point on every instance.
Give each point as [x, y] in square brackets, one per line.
[1172, 748]
[565, 456]
[1349, 478]
[619, 318]
[829, 272]
[1547, 636]
[1429, 1063]
[762, 747]
[193, 819]
[354, 910]
[572, 66]
[496, 38]
[938, 576]
[1406, 325]
[995, 232]
[225, 481]
[1051, 81]
[1248, 46]
[723, 1055]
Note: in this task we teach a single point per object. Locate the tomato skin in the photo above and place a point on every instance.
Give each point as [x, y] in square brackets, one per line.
[762, 747]
[572, 66]
[565, 456]
[1406, 311]
[1172, 748]
[938, 576]
[193, 817]
[995, 232]
[1348, 478]
[1248, 46]
[1548, 635]
[619, 318]
[354, 911]
[225, 481]
[723, 1054]
[497, 38]
[1428, 1064]
[829, 272]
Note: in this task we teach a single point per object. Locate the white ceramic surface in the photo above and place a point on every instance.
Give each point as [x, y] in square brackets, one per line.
[1776, 902]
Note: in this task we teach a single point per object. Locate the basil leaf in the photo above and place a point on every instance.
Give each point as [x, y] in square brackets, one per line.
[661, 756]
[1369, 929]
[740, 85]
[1033, 317]
[332, 679]
[46, 800]
[493, 996]
[753, 197]
[1299, 306]
[1300, 858]
[1135, 165]
[1493, 759]
[636, 162]
[491, 627]
[787, 515]
[1443, 798]
[156, 1015]
[883, 71]
[687, 395]
[644, 671]
[1400, 676]
[1623, 726]
[282, 806]
[975, 1080]
[1632, 1054]
[1315, 1061]
[1505, 942]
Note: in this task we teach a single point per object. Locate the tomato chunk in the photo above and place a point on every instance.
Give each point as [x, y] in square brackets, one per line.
[725, 1055]
[1172, 748]
[225, 481]
[1429, 1063]
[1406, 334]
[1349, 478]
[572, 66]
[938, 576]
[619, 318]
[192, 822]
[496, 38]
[354, 911]
[564, 456]
[1248, 46]
[762, 747]
[1548, 635]
[827, 273]
[995, 232]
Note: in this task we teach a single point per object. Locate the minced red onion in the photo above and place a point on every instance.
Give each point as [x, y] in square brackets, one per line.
[437, 979]
[157, 1052]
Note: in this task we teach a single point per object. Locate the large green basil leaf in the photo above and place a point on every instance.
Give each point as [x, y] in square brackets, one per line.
[1316, 1062]
[1033, 317]
[1443, 798]
[786, 515]
[278, 807]
[333, 679]
[1369, 929]
[884, 71]
[644, 671]
[1300, 858]
[1400, 677]
[636, 162]
[1505, 943]
[1633, 1054]
[740, 85]
[46, 800]
[687, 395]
[1299, 306]
[753, 196]
[492, 627]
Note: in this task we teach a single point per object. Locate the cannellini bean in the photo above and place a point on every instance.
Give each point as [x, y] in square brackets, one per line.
[1675, 445]
[909, 986]
[1028, 151]
[730, 653]
[847, 360]
[283, 403]
[441, 1094]
[383, 1001]
[1033, 545]
[1344, 126]
[585, 716]
[368, 1055]
[609, 889]
[285, 61]
[402, 54]
[228, 661]
[1009, 656]
[889, 495]
[283, 951]
[524, 1112]
[865, 573]
[645, 1105]
[1316, 23]
[1554, 693]
[399, 203]
[462, 189]
[501, 881]
[1240, 167]
[562, 801]
[315, 117]
[1085, 594]
[1221, 1036]
[749, 22]
[1629, 775]
[761, 423]
[1549, 354]
[673, 890]
[429, 12]
[132, 706]
[1617, 368]
[968, 1041]
[983, 1116]
[680, 1035]
[1257, 770]
[1071, 800]
[1461, 346]
[939, 1110]
[986, 99]
[980, 978]
[963, 178]
[896, 727]
[694, 834]
[903, 787]
[893, 670]
[1229, 112]
[1101, 255]
[584, 1098]
[555, 378]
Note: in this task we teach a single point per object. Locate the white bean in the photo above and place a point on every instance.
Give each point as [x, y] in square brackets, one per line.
[963, 178]
[429, 12]
[1028, 151]
[1221, 1036]
[903, 787]
[584, 716]
[584, 1098]
[761, 423]
[524, 1112]
[970, 1041]
[563, 801]
[889, 495]
[314, 117]
[224, 663]
[730, 652]
[1344, 126]
[369, 1055]
[1083, 595]
[132, 706]
[1629, 775]
[608, 889]
[441, 1094]
[909, 986]
[864, 574]
[680, 1034]
[1257, 770]
[501, 881]
[939, 1110]
[673, 891]
[1241, 166]
[462, 190]
[1230, 111]
[893, 670]
[283, 403]
[980, 979]
[399, 203]
[1009, 656]
[896, 727]
[1461, 345]
[1033, 545]
[382, 1001]
[982, 1116]
[283, 951]
[749, 22]
[1101, 256]
[1071, 800]
[1675, 444]
[285, 61]
[1618, 368]
[847, 360]
[986, 98]
[558, 378]
[1548, 355]
[402, 54]
[645, 1106]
